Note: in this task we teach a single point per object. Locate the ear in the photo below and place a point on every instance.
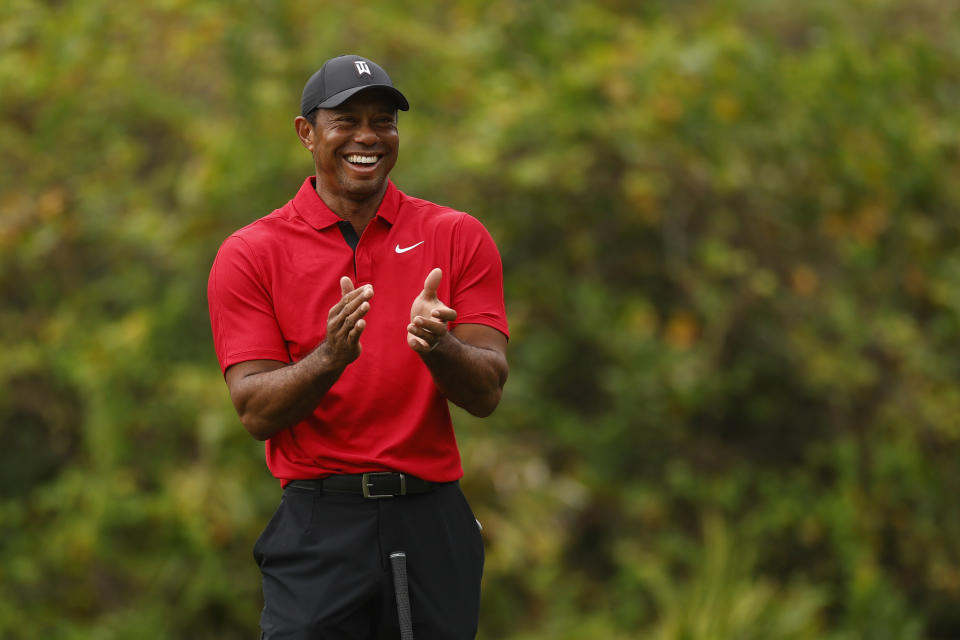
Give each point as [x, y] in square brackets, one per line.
[304, 132]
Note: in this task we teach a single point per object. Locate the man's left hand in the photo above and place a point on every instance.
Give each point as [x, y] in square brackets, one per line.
[428, 316]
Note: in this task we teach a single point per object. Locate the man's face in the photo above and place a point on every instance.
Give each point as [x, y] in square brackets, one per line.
[355, 145]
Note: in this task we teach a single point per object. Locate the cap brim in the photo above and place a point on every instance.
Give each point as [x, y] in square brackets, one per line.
[339, 98]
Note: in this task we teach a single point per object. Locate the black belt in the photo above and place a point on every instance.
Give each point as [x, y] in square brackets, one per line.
[376, 484]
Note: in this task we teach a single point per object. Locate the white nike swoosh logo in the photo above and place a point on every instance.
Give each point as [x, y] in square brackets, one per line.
[405, 249]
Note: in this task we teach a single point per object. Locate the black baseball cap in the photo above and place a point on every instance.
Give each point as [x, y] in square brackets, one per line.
[341, 77]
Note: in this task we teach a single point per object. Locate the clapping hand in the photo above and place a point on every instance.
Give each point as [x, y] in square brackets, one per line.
[428, 316]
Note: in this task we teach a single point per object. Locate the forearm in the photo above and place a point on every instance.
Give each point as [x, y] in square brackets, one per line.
[270, 396]
[270, 401]
[471, 377]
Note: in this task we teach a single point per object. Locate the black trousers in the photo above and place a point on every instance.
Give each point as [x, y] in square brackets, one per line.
[326, 570]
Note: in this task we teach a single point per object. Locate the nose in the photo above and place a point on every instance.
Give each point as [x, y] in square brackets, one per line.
[365, 135]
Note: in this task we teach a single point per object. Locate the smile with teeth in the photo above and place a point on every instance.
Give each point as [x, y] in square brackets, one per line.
[356, 158]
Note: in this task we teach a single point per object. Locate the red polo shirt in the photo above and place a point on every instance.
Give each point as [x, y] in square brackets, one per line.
[273, 283]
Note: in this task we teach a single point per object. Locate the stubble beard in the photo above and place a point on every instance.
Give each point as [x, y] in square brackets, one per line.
[361, 189]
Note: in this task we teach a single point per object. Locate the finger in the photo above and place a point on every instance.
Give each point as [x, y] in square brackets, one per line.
[351, 300]
[446, 314]
[418, 344]
[356, 314]
[434, 327]
[365, 292]
[352, 297]
[421, 332]
[340, 326]
[354, 335]
[347, 336]
[351, 341]
[432, 282]
[346, 285]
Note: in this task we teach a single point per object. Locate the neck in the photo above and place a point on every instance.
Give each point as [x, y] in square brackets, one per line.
[357, 210]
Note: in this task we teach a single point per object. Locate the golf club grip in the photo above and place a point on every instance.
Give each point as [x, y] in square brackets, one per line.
[398, 563]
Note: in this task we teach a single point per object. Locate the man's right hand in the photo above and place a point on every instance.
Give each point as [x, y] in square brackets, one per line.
[270, 395]
[345, 323]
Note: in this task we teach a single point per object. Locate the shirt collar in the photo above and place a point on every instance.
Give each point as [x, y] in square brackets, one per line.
[315, 211]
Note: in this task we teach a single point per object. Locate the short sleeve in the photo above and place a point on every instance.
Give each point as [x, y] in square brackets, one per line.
[477, 294]
[241, 308]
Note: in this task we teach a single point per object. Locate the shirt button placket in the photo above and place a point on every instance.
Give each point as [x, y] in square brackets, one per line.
[362, 263]
[369, 242]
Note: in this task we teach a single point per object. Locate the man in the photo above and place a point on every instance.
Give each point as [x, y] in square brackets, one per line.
[343, 323]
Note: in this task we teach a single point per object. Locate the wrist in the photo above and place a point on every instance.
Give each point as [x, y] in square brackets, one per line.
[441, 345]
[326, 360]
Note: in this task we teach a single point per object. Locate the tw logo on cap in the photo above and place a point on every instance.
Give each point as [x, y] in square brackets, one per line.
[362, 67]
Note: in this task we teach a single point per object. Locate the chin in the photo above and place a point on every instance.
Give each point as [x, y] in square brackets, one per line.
[364, 188]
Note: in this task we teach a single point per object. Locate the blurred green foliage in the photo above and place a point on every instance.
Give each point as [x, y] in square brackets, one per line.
[730, 235]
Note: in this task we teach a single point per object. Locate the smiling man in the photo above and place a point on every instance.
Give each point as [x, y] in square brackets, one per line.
[344, 322]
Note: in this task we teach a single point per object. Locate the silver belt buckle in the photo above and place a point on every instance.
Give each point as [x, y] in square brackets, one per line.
[366, 484]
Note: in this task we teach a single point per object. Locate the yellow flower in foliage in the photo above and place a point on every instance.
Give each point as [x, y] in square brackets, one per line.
[804, 280]
[682, 330]
[726, 107]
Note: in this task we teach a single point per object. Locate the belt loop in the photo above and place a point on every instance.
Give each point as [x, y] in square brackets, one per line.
[315, 496]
